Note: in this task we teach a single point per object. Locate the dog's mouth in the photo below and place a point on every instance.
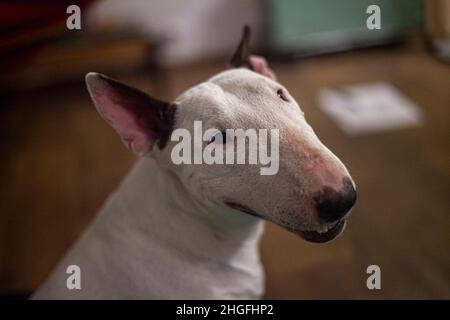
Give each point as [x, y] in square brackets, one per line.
[240, 207]
[326, 234]
[320, 235]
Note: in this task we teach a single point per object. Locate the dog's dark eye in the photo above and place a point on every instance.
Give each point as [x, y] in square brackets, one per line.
[220, 138]
[282, 95]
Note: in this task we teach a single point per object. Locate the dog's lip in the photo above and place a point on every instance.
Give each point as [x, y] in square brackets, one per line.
[322, 237]
[315, 236]
[242, 208]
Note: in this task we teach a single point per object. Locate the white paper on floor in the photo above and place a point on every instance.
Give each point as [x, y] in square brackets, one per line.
[369, 108]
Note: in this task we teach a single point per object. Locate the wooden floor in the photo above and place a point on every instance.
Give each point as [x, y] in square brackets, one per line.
[59, 160]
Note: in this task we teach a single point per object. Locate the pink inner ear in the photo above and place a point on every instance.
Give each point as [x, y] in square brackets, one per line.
[123, 121]
[259, 65]
[129, 118]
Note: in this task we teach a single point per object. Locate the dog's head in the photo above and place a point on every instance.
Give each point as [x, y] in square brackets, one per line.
[310, 191]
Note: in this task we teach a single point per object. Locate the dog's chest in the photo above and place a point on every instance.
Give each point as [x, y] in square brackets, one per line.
[112, 269]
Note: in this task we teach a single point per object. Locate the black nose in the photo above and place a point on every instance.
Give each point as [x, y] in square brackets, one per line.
[333, 205]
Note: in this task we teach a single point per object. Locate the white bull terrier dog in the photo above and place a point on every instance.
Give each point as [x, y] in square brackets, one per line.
[191, 231]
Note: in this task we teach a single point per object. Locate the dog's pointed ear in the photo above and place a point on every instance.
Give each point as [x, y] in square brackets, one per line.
[140, 120]
[241, 57]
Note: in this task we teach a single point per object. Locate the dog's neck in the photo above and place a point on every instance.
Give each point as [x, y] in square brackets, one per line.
[159, 206]
[153, 232]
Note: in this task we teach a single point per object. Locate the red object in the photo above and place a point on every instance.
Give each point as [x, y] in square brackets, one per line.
[26, 27]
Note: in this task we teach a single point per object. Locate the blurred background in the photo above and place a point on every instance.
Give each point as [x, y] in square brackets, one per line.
[378, 98]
